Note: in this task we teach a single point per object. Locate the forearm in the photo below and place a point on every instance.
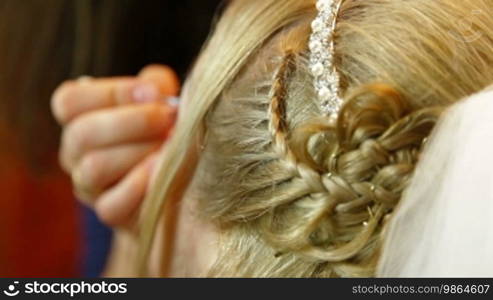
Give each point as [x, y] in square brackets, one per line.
[122, 258]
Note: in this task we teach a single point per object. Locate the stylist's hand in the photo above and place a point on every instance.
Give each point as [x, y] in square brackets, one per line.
[113, 129]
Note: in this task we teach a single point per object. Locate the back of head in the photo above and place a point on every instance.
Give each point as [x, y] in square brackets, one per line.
[294, 194]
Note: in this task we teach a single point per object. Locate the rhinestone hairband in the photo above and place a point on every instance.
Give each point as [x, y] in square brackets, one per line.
[326, 78]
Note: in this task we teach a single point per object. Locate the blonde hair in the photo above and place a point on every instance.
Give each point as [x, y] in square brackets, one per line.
[293, 195]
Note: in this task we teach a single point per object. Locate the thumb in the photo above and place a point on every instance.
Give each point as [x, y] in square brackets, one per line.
[162, 77]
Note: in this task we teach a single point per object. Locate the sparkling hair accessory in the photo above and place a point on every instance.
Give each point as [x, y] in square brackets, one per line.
[326, 78]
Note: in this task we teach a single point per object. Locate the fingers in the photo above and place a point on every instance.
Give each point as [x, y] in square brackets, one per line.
[111, 127]
[163, 77]
[76, 97]
[100, 169]
[117, 205]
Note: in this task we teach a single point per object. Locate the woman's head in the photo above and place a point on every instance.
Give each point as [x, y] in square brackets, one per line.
[293, 194]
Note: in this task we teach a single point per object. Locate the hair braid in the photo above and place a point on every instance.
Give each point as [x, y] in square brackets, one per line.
[278, 126]
[369, 162]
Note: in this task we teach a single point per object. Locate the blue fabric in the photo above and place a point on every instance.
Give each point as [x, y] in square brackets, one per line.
[97, 241]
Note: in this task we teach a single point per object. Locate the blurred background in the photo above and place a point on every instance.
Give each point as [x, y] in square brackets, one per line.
[44, 232]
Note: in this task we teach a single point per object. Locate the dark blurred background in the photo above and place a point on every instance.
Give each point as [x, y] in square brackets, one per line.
[44, 232]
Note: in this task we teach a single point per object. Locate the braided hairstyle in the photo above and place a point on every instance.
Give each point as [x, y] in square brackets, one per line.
[297, 195]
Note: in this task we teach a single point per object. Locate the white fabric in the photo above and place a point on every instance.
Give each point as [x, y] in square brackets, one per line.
[443, 226]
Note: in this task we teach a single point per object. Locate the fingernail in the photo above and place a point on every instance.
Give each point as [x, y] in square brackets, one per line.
[152, 163]
[172, 101]
[145, 93]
